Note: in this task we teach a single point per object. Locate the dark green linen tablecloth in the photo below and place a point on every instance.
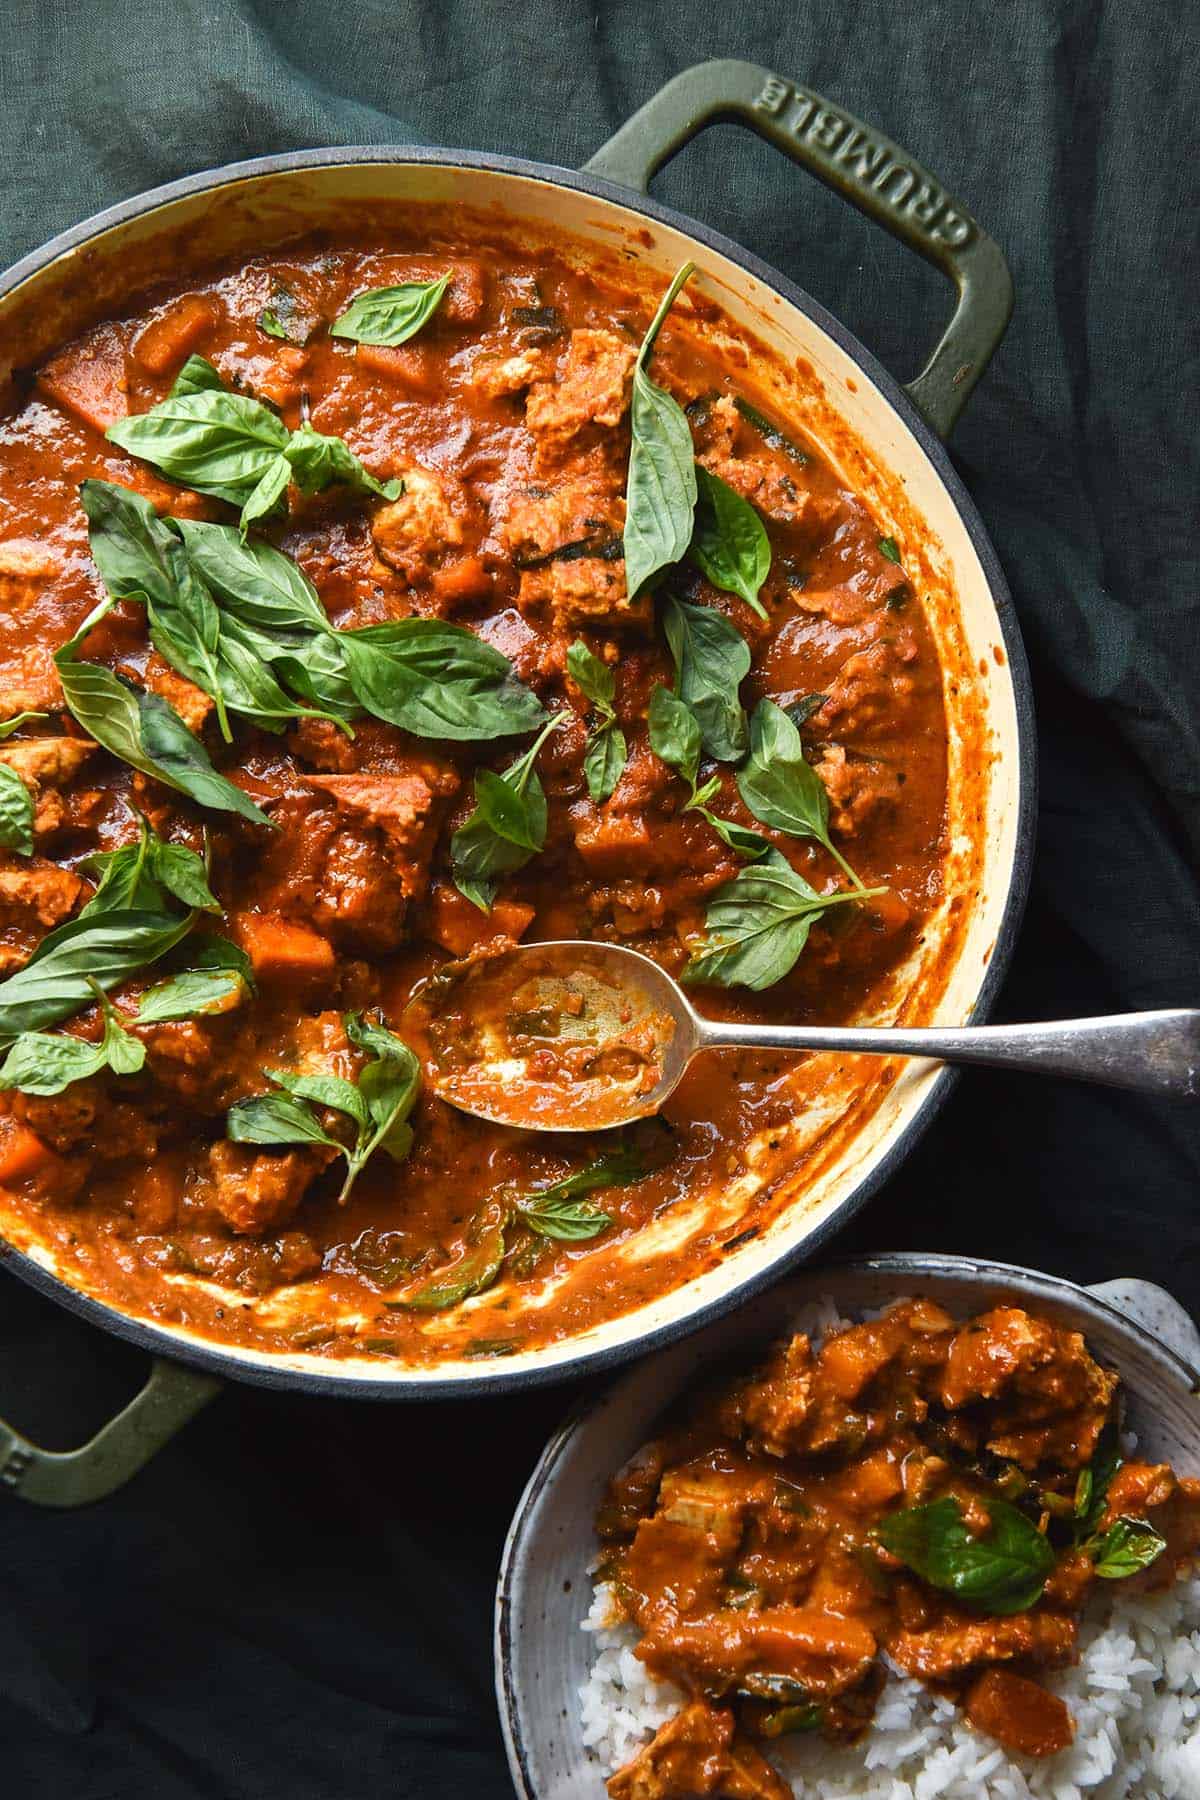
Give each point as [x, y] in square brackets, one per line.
[294, 1599]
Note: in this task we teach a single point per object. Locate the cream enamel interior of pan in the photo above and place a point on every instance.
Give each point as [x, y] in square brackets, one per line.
[859, 430]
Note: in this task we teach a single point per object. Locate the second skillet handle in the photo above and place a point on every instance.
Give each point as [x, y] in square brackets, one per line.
[866, 168]
[171, 1398]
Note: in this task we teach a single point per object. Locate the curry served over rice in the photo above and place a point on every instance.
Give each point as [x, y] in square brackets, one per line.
[943, 1495]
[365, 608]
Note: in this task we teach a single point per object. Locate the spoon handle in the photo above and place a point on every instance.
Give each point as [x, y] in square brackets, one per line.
[1151, 1052]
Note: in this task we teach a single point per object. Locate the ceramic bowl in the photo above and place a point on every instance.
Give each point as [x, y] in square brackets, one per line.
[543, 1655]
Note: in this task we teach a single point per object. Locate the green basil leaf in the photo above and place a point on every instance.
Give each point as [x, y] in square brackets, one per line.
[318, 461]
[390, 315]
[182, 873]
[323, 1090]
[107, 948]
[219, 975]
[276, 1119]
[730, 544]
[780, 786]
[19, 719]
[268, 495]
[596, 680]
[123, 1053]
[551, 1212]
[38, 1063]
[660, 495]
[208, 439]
[565, 1220]
[259, 584]
[250, 687]
[1127, 1547]
[507, 828]
[674, 734]
[607, 752]
[890, 548]
[749, 845]
[1004, 1571]
[390, 1084]
[16, 812]
[181, 760]
[141, 559]
[145, 872]
[143, 730]
[124, 878]
[711, 661]
[1091, 1491]
[472, 1271]
[378, 1102]
[268, 321]
[758, 924]
[197, 376]
[604, 761]
[437, 680]
[316, 669]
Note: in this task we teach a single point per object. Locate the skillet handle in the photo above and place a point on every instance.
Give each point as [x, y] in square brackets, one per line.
[171, 1397]
[864, 167]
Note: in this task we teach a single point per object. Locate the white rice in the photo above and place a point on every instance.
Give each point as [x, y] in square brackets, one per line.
[1134, 1696]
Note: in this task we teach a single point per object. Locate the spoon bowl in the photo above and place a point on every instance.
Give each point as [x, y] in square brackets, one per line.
[571, 1035]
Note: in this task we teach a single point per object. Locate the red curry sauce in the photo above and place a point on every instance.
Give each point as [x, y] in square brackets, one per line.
[506, 418]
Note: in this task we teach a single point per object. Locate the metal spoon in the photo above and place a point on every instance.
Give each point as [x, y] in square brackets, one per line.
[516, 1081]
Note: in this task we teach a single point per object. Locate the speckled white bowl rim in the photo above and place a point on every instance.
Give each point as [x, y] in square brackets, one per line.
[542, 1655]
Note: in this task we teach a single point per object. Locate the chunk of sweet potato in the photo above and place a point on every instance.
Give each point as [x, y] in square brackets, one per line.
[23, 1155]
[168, 340]
[410, 366]
[282, 950]
[460, 927]
[89, 380]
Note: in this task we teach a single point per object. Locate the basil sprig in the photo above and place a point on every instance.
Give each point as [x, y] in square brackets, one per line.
[104, 949]
[144, 731]
[377, 1104]
[390, 315]
[1126, 1548]
[1005, 1570]
[660, 495]
[141, 559]
[16, 812]
[507, 828]
[42, 1064]
[552, 1212]
[423, 675]
[148, 873]
[674, 734]
[711, 661]
[757, 924]
[235, 448]
[781, 788]
[606, 753]
[1128, 1544]
[675, 737]
[730, 544]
